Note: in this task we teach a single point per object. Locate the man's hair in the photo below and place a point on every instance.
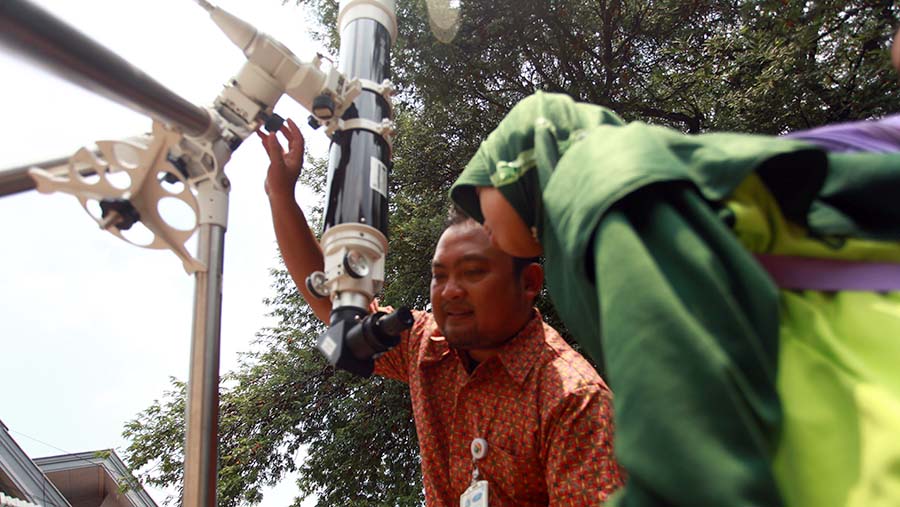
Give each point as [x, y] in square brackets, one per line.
[456, 216]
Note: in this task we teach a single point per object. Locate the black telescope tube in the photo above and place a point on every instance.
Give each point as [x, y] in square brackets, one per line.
[38, 35]
[354, 192]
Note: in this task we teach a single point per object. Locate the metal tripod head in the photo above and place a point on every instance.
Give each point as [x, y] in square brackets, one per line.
[190, 146]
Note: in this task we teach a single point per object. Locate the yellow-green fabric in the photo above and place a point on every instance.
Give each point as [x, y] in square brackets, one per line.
[840, 390]
[838, 375]
[762, 228]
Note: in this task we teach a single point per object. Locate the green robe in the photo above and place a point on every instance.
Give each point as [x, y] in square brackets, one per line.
[648, 236]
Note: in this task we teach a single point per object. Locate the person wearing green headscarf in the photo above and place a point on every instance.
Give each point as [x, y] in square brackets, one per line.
[732, 386]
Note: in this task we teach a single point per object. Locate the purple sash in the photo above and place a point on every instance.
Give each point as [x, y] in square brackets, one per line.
[874, 136]
[804, 273]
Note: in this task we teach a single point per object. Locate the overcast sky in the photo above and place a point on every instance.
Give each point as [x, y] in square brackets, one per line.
[92, 327]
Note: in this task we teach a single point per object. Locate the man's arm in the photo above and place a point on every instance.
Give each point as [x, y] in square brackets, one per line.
[581, 468]
[299, 246]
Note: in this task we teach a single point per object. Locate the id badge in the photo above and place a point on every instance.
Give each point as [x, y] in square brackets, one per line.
[475, 496]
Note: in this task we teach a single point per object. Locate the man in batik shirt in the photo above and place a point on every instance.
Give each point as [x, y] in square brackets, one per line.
[493, 387]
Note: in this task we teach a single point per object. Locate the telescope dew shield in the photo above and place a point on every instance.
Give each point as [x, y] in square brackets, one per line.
[360, 158]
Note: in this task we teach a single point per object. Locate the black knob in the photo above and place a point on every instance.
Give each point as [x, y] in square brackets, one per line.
[273, 123]
[128, 215]
[323, 107]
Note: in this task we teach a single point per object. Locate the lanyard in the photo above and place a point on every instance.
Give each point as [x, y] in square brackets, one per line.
[478, 447]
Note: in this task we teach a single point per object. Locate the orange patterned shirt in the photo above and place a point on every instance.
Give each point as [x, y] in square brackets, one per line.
[542, 408]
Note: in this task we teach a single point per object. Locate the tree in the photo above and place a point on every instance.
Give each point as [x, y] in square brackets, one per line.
[765, 66]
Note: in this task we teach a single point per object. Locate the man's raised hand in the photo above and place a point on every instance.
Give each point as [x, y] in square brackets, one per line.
[284, 166]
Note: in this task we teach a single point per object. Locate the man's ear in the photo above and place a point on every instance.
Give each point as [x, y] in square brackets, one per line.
[533, 280]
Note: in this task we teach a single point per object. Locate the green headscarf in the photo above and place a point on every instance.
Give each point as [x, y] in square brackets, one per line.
[521, 154]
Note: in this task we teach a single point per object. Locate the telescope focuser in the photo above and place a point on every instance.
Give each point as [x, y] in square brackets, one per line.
[354, 340]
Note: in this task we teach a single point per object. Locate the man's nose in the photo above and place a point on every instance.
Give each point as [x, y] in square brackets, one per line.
[452, 289]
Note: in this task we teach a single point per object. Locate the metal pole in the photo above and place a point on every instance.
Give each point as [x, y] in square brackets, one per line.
[15, 180]
[38, 35]
[202, 412]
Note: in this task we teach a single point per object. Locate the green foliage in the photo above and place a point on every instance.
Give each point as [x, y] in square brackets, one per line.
[767, 66]
[157, 439]
[761, 65]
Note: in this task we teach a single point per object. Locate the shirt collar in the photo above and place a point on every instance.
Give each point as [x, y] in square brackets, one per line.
[518, 355]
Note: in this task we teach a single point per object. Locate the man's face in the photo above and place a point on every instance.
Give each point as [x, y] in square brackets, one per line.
[478, 302]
